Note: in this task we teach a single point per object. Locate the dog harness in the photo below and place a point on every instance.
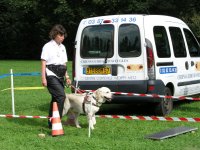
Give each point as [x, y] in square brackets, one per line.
[86, 101]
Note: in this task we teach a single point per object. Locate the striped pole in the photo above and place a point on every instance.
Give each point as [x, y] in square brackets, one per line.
[151, 95]
[12, 92]
[150, 118]
[144, 118]
[158, 96]
[22, 116]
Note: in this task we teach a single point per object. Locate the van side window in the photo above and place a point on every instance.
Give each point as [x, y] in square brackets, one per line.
[161, 41]
[193, 46]
[129, 40]
[177, 42]
[97, 42]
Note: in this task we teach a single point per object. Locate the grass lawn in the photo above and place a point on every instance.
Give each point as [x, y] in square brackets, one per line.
[109, 134]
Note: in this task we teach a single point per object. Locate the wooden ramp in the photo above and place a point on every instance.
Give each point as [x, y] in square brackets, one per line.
[170, 133]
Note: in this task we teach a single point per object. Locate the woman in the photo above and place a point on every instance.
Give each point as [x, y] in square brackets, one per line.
[54, 69]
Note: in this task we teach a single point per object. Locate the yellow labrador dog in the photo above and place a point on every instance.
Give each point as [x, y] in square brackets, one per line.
[87, 103]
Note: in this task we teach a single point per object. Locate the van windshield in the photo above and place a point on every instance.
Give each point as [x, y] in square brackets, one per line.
[97, 41]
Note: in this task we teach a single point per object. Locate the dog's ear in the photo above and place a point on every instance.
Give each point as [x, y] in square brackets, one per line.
[97, 93]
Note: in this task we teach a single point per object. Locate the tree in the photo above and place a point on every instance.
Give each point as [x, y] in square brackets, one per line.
[25, 24]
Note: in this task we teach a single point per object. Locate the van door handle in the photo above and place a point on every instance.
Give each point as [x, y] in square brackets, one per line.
[186, 65]
[192, 63]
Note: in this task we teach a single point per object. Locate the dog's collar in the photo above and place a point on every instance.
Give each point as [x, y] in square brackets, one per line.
[94, 97]
[98, 104]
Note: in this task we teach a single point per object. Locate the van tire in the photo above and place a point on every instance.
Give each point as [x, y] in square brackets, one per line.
[164, 107]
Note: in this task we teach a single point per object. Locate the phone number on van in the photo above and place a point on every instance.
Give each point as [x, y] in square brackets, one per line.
[166, 70]
[113, 20]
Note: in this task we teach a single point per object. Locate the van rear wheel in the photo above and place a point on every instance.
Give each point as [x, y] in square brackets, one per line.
[164, 107]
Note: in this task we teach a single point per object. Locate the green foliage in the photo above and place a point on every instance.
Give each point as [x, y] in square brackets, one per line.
[25, 24]
[195, 23]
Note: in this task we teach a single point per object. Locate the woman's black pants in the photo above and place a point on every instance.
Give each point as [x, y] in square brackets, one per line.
[56, 89]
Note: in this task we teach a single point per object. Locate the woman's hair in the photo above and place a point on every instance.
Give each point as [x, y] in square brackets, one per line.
[57, 29]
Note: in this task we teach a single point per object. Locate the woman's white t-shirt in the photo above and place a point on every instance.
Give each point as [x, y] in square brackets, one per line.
[54, 54]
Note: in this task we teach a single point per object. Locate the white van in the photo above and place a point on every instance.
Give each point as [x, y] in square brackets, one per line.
[146, 54]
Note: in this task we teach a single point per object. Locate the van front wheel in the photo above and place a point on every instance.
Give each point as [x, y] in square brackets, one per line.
[164, 107]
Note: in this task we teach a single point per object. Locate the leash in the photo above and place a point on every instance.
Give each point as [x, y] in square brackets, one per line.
[83, 105]
[77, 89]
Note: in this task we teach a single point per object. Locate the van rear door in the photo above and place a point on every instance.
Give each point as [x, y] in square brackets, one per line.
[132, 72]
[110, 51]
[95, 64]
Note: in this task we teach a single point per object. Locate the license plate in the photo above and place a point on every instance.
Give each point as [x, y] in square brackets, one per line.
[97, 70]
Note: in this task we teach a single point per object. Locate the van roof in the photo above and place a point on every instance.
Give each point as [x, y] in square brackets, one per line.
[161, 18]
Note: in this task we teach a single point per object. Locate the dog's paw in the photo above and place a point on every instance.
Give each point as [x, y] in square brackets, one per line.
[91, 126]
[78, 126]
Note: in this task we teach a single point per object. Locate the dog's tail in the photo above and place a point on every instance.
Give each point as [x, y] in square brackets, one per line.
[66, 106]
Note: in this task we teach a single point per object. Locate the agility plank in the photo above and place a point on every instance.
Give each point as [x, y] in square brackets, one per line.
[170, 133]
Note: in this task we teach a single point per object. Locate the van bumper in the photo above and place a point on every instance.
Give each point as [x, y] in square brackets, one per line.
[137, 87]
[121, 99]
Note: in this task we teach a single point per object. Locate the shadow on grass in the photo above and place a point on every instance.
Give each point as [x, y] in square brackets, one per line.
[143, 109]
[44, 107]
[127, 109]
[42, 123]
[37, 122]
[186, 106]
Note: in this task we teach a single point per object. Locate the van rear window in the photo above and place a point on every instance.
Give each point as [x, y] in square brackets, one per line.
[129, 40]
[97, 41]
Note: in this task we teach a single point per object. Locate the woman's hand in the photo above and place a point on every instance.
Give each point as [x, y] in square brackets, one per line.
[44, 81]
[68, 81]
[43, 72]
